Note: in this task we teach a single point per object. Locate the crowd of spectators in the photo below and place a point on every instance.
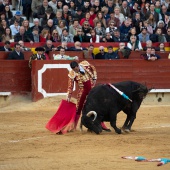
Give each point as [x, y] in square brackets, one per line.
[131, 21]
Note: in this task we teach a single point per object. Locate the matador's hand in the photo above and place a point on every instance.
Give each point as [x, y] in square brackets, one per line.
[68, 97]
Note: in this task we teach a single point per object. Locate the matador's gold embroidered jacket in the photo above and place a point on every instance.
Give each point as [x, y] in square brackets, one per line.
[90, 74]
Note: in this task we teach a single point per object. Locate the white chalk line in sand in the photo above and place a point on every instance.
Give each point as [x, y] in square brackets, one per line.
[157, 126]
[34, 138]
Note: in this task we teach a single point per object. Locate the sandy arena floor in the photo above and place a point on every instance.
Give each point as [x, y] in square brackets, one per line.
[25, 144]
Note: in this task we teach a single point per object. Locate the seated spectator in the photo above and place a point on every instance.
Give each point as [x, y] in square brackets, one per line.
[161, 37]
[35, 7]
[49, 47]
[42, 9]
[50, 26]
[3, 3]
[79, 36]
[125, 9]
[36, 22]
[53, 4]
[26, 25]
[94, 38]
[86, 28]
[3, 26]
[63, 45]
[118, 37]
[124, 51]
[14, 28]
[55, 36]
[90, 54]
[6, 46]
[111, 28]
[7, 12]
[16, 54]
[77, 47]
[106, 14]
[132, 32]
[113, 19]
[125, 27]
[107, 38]
[62, 56]
[23, 36]
[134, 44]
[96, 5]
[149, 27]
[161, 25]
[119, 15]
[49, 15]
[22, 47]
[111, 54]
[167, 35]
[100, 18]
[153, 52]
[152, 21]
[100, 31]
[39, 56]
[65, 36]
[149, 44]
[148, 55]
[86, 6]
[7, 36]
[17, 18]
[45, 35]
[61, 25]
[35, 33]
[58, 17]
[74, 27]
[87, 18]
[92, 13]
[101, 54]
[143, 36]
[161, 47]
[137, 22]
[79, 14]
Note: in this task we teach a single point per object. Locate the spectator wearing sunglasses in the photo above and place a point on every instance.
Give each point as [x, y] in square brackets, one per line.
[79, 36]
[101, 54]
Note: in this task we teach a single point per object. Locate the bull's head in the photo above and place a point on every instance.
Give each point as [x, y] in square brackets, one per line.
[141, 91]
[89, 121]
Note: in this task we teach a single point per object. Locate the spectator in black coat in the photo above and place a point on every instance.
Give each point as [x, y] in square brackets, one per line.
[23, 36]
[17, 18]
[167, 35]
[101, 54]
[16, 54]
[6, 46]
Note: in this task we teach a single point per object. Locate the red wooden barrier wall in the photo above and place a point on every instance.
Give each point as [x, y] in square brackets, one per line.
[15, 76]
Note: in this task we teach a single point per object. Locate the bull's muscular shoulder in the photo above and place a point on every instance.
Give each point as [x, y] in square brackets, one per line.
[85, 63]
[72, 74]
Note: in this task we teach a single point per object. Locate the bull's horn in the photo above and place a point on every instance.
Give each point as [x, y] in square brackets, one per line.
[92, 113]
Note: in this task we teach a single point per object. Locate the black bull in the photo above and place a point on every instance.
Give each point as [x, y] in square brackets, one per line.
[104, 103]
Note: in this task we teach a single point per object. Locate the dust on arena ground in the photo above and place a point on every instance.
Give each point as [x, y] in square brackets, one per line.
[26, 144]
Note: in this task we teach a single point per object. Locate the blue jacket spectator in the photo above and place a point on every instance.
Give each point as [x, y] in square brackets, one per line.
[111, 54]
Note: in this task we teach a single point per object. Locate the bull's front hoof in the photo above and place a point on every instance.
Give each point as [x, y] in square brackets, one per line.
[126, 130]
[118, 131]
